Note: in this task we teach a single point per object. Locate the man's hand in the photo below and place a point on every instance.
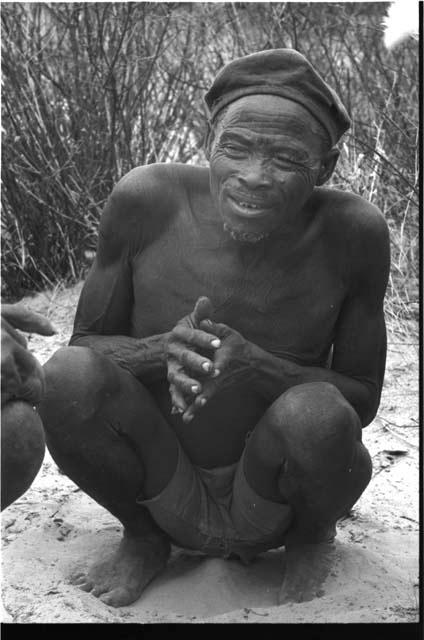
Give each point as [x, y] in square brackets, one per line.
[233, 361]
[188, 367]
[21, 374]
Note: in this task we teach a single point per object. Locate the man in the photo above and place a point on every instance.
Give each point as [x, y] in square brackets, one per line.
[22, 384]
[229, 342]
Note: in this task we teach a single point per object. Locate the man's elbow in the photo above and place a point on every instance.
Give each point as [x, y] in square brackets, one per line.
[368, 406]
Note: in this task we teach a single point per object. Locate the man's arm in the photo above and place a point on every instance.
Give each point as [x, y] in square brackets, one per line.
[357, 369]
[359, 354]
[103, 316]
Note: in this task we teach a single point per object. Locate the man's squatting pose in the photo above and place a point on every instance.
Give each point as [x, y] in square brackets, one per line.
[229, 343]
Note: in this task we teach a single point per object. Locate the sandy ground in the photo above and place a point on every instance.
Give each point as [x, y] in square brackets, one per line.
[55, 527]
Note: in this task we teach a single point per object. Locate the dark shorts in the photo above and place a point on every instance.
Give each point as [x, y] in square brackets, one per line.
[216, 512]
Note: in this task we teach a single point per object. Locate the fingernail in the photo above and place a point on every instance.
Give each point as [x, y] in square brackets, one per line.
[188, 418]
[216, 373]
[206, 366]
[174, 410]
[195, 389]
[216, 343]
[202, 402]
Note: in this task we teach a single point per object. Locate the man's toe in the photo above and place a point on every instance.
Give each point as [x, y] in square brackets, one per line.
[87, 585]
[99, 589]
[79, 580]
[118, 597]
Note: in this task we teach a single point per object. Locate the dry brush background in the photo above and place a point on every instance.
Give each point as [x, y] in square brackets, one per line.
[91, 90]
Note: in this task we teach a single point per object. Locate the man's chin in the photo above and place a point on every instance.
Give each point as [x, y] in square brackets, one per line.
[246, 236]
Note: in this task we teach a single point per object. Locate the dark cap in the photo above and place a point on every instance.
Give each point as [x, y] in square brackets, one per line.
[280, 72]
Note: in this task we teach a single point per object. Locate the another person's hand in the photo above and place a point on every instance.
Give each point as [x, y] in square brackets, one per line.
[188, 367]
[22, 376]
[233, 360]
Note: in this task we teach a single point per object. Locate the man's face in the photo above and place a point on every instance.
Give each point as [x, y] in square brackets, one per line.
[265, 158]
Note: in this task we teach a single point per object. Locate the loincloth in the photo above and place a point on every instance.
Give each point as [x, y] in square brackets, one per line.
[216, 512]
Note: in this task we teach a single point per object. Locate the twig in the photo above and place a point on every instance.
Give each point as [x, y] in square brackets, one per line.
[411, 519]
[263, 615]
[400, 426]
[386, 428]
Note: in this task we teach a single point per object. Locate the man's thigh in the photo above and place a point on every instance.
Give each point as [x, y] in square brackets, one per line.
[307, 450]
[92, 402]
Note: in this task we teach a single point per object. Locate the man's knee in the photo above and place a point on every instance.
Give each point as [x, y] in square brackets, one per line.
[22, 449]
[76, 380]
[73, 366]
[314, 413]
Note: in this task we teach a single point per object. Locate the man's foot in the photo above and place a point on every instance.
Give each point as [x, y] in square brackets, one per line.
[307, 568]
[120, 580]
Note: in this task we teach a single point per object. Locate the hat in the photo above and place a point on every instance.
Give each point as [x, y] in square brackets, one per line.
[280, 72]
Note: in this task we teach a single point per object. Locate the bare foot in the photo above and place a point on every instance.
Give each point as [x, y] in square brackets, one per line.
[120, 580]
[308, 566]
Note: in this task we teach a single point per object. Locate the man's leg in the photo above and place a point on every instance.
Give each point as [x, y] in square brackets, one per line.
[307, 451]
[22, 449]
[105, 432]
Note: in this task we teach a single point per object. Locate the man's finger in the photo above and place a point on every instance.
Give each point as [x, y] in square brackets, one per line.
[193, 362]
[179, 404]
[22, 318]
[217, 328]
[203, 309]
[195, 337]
[188, 386]
[207, 393]
[189, 414]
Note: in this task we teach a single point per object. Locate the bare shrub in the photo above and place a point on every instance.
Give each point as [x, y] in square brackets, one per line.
[92, 90]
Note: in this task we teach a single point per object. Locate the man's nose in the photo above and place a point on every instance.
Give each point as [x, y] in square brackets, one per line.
[255, 174]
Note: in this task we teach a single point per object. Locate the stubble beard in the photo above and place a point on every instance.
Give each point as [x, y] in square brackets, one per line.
[245, 236]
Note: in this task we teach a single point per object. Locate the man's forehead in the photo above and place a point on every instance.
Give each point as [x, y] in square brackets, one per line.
[268, 113]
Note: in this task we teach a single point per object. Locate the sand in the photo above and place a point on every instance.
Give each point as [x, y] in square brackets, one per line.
[55, 527]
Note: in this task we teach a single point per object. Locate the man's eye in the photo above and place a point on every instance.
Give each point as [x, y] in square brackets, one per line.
[233, 150]
[284, 160]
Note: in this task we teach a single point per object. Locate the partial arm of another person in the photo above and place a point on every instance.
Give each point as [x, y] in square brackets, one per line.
[22, 376]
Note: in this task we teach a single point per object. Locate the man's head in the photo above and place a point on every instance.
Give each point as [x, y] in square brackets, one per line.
[273, 126]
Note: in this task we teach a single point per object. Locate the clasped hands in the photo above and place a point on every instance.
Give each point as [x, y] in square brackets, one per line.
[204, 357]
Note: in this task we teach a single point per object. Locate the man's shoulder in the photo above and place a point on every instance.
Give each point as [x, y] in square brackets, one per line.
[145, 200]
[351, 213]
[360, 233]
[159, 183]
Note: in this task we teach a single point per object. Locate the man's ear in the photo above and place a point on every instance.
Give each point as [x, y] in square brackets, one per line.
[328, 164]
[208, 140]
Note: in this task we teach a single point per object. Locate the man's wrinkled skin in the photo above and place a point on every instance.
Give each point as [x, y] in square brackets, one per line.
[22, 386]
[243, 298]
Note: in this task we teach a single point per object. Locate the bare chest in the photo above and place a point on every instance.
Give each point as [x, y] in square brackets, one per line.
[289, 309]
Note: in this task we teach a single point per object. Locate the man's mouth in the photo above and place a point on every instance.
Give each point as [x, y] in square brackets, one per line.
[250, 208]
